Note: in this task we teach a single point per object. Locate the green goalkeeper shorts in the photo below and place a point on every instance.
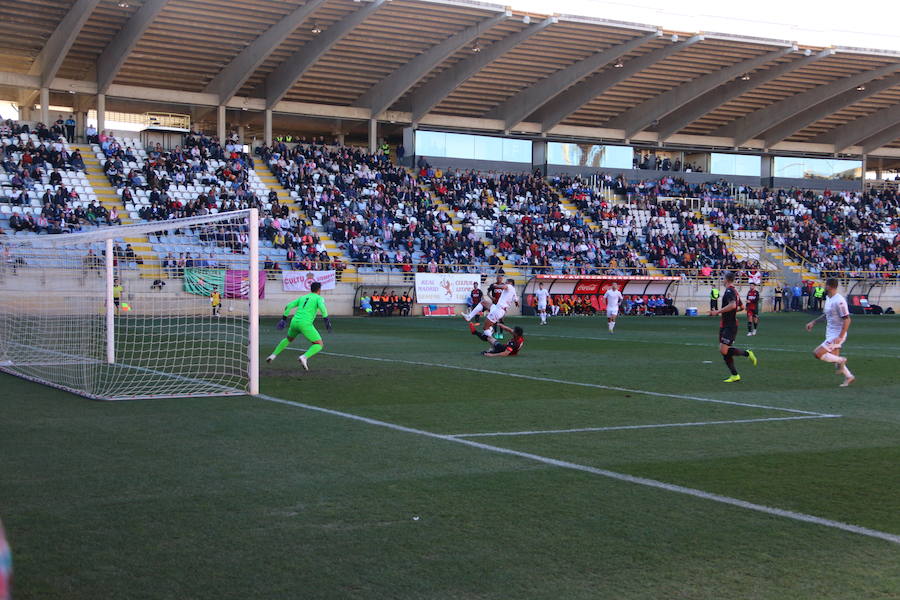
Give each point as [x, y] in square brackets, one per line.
[306, 329]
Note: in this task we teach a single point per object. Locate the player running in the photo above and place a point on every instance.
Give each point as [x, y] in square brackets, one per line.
[308, 307]
[837, 323]
[511, 348]
[542, 298]
[752, 309]
[728, 327]
[613, 299]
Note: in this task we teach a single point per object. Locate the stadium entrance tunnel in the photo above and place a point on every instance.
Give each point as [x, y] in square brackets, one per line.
[586, 291]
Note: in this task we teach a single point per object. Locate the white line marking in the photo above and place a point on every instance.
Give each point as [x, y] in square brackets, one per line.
[698, 344]
[578, 383]
[624, 338]
[652, 483]
[628, 427]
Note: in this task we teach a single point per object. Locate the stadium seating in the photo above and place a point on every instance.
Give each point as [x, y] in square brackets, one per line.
[376, 212]
[387, 218]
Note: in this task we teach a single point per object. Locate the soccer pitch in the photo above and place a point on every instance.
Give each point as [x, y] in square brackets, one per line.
[405, 465]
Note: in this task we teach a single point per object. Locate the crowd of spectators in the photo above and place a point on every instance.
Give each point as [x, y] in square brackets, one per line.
[384, 216]
[529, 225]
[835, 231]
[377, 212]
[39, 170]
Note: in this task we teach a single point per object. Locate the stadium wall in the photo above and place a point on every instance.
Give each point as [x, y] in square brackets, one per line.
[633, 174]
[445, 163]
[840, 185]
[644, 174]
[341, 300]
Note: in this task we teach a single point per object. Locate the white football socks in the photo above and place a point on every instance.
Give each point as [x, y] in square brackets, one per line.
[475, 311]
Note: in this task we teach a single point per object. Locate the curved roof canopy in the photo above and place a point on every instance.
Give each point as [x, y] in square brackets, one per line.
[459, 64]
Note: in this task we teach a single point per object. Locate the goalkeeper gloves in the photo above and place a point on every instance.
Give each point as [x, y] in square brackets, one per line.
[282, 323]
[327, 324]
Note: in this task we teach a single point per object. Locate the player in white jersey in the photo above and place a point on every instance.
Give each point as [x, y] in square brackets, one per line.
[613, 299]
[836, 315]
[498, 310]
[487, 300]
[542, 298]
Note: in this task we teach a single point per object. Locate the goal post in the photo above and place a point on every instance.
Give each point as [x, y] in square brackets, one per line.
[150, 310]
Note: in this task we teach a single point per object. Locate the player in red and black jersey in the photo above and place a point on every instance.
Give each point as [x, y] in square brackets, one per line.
[510, 348]
[496, 288]
[752, 310]
[475, 297]
[728, 327]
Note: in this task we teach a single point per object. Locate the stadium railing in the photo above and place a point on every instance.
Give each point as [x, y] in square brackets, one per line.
[388, 273]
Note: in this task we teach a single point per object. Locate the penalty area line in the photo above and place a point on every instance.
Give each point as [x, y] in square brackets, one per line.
[654, 426]
[651, 483]
[598, 386]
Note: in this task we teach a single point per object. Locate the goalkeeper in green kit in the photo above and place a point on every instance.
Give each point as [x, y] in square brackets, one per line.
[308, 307]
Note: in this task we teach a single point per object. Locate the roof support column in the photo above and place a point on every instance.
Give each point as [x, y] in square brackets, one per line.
[373, 135]
[267, 126]
[45, 106]
[220, 124]
[101, 113]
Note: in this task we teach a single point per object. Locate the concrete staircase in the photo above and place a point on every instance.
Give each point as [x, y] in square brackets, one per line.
[611, 199]
[790, 269]
[572, 209]
[771, 259]
[151, 267]
[284, 198]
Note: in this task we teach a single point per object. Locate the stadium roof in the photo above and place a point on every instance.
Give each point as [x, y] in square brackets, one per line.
[458, 64]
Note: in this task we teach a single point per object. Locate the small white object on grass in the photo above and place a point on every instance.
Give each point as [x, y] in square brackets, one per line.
[415, 518]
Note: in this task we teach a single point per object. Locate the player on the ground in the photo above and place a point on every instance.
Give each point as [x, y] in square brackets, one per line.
[836, 315]
[485, 302]
[613, 299]
[499, 308]
[728, 327]
[752, 309]
[511, 348]
[542, 297]
[308, 307]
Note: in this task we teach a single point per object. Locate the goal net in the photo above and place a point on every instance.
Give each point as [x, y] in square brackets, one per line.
[151, 310]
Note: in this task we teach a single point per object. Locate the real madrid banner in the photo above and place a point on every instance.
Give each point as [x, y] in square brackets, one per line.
[444, 288]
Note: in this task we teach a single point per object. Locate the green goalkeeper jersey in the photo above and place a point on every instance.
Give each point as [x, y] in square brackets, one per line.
[307, 307]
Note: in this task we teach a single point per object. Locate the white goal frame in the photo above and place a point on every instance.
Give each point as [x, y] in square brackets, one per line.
[107, 235]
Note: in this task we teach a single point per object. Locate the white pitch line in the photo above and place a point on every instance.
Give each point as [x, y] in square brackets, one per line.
[652, 483]
[577, 383]
[628, 427]
[623, 338]
[626, 340]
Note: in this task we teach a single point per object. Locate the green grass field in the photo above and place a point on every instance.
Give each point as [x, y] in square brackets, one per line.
[245, 497]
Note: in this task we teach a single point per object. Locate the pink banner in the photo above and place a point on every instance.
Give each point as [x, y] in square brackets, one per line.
[237, 284]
